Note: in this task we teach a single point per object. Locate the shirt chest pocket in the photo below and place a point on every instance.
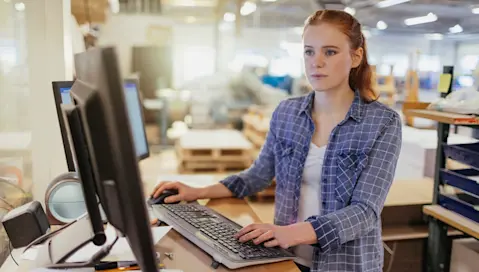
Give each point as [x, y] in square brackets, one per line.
[283, 157]
[349, 165]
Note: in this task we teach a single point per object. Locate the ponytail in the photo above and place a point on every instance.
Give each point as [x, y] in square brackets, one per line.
[360, 78]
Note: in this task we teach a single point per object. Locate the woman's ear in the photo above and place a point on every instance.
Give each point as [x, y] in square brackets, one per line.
[357, 57]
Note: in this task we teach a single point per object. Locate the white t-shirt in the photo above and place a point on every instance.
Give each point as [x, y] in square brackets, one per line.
[310, 197]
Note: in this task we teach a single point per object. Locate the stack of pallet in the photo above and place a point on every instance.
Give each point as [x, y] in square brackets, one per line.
[220, 150]
[255, 129]
[256, 126]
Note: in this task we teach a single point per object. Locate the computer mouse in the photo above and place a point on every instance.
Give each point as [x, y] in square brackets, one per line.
[161, 198]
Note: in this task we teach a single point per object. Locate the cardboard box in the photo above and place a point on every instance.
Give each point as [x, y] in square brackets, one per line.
[465, 255]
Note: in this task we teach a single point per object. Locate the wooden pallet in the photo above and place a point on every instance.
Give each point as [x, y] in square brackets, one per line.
[207, 166]
[221, 150]
[213, 145]
[212, 154]
[256, 127]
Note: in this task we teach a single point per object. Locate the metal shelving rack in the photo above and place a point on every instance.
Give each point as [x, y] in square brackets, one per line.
[440, 218]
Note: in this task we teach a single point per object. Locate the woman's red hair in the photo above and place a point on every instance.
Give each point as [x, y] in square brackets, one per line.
[359, 77]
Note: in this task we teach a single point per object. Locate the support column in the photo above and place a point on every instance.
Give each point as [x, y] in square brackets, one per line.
[49, 59]
[217, 34]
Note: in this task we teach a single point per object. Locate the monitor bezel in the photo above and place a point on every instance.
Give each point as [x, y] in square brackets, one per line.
[57, 86]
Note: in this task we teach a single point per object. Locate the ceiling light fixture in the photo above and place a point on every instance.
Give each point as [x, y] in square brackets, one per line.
[20, 6]
[381, 25]
[456, 29]
[349, 10]
[389, 3]
[434, 36]
[429, 18]
[248, 8]
[271, 1]
[229, 17]
[475, 10]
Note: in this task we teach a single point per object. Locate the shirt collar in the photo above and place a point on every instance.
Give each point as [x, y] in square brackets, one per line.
[354, 111]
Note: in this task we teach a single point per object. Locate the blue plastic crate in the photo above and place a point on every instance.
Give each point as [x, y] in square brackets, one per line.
[464, 207]
[460, 179]
[465, 153]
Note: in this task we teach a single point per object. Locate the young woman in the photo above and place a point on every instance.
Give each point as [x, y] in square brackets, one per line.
[333, 153]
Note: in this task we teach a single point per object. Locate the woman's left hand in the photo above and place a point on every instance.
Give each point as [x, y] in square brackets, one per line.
[273, 235]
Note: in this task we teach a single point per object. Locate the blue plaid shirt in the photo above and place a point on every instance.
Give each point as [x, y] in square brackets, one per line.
[358, 170]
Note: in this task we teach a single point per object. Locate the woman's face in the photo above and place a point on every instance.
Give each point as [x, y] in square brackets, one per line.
[327, 57]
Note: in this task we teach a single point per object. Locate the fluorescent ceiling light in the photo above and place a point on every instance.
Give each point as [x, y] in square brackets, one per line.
[475, 10]
[456, 29]
[434, 36]
[248, 8]
[430, 17]
[381, 25]
[6, 1]
[229, 17]
[389, 3]
[268, 1]
[20, 6]
[349, 10]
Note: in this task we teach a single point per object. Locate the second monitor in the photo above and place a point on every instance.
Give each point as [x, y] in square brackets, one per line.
[61, 91]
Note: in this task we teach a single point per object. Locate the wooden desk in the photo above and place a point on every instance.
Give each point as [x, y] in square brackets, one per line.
[444, 117]
[453, 219]
[187, 256]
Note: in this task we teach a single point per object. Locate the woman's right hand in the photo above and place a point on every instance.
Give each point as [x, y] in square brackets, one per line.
[185, 192]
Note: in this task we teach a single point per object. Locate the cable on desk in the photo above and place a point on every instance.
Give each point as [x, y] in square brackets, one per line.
[11, 254]
[47, 235]
[391, 252]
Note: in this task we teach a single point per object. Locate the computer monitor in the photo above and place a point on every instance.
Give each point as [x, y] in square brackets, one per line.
[137, 121]
[61, 92]
[110, 142]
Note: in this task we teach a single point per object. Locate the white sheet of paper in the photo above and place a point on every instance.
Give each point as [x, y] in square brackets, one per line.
[121, 251]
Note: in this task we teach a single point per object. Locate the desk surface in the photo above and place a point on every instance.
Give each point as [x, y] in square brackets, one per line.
[453, 219]
[444, 117]
[189, 257]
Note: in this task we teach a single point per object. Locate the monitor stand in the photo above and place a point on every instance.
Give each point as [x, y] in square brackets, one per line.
[55, 252]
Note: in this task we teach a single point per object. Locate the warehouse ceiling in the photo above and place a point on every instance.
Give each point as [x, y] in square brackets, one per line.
[445, 14]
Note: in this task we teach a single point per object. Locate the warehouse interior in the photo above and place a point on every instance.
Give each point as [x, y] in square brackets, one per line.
[208, 76]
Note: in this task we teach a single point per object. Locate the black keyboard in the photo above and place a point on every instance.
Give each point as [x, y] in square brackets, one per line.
[222, 231]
